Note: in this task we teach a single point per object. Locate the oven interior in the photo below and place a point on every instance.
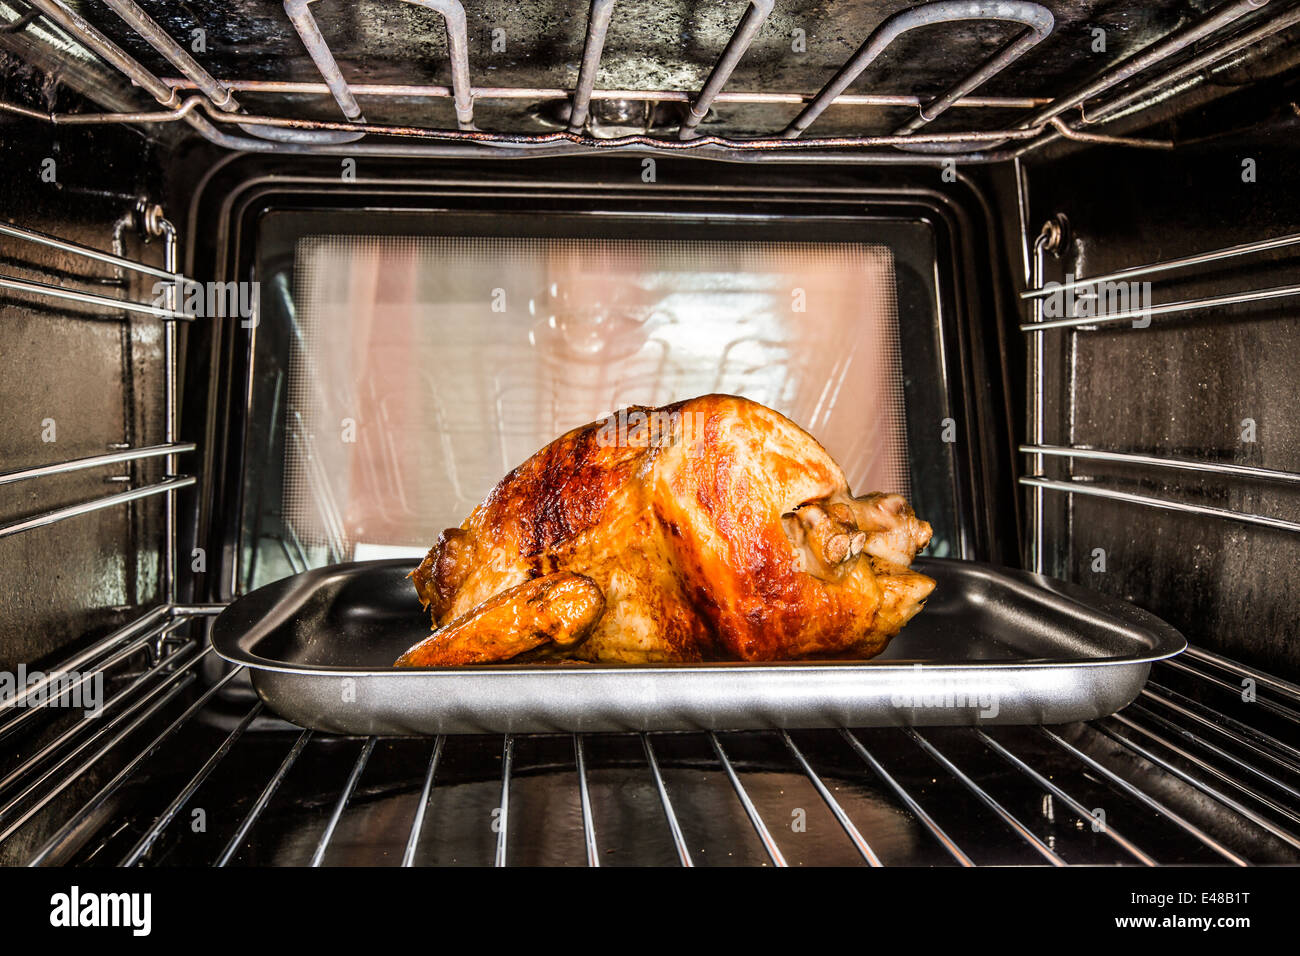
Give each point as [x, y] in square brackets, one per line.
[459, 230]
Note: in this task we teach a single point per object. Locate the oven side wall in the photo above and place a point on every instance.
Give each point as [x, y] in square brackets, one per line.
[75, 381]
[1215, 385]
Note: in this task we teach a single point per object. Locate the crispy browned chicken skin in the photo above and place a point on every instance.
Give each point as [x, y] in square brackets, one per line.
[711, 529]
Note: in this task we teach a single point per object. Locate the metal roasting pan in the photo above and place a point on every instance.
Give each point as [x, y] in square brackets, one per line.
[992, 646]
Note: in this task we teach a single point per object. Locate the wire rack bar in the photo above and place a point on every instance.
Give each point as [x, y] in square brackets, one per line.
[987, 799]
[1165, 723]
[89, 298]
[588, 825]
[1148, 57]
[1110, 109]
[63, 245]
[503, 817]
[64, 689]
[63, 783]
[1234, 689]
[1257, 741]
[176, 55]
[1082, 488]
[854, 835]
[917, 810]
[74, 663]
[751, 22]
[61, 13]
[1157, 461]
[197, 610]
[1244, 670]
[764, 835]
[146, 842]
[597, 26]
[674, 827]
[97, 504]
[118, 728]
[458, 52]
[516, 145]
[1037, 420]
[1165, 265]
[417, 822]
[540, 93]
[113, 785]
[171, 377]
[1038, 19]
[1235, 805]
[96, 461]
[1150, 802]
[263, 798]
[187, 673]
[1164, 308]
[34, 760]
[358, 768]
[453, 14]
[299, 14]
[1039, 22]
[1082, 812]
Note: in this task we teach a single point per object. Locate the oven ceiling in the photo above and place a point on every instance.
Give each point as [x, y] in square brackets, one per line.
[667, 45]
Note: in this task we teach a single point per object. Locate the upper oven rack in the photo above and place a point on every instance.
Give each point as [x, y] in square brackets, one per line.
[1039, 449]
[215, 101]
[170, 448]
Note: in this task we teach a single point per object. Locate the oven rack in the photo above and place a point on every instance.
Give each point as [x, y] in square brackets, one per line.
[152, 222]
[1185, 778]
[1039, 449]
[215, 103]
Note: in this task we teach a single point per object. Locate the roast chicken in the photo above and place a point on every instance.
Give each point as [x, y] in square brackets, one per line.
[711, 529]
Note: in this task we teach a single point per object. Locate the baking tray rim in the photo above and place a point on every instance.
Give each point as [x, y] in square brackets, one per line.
[1169, 642]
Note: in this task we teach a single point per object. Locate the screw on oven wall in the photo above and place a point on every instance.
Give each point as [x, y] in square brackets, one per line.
[149, 218]
[49, 430]
[1055, 234]
[1248, 430]
[799, 820]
